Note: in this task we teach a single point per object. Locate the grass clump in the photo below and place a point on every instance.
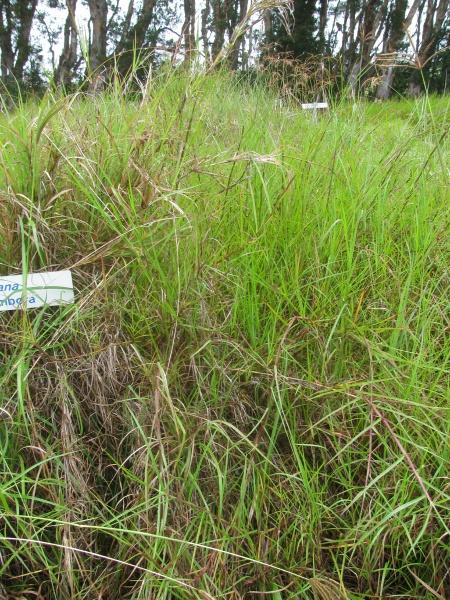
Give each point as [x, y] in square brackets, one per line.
[249, 396]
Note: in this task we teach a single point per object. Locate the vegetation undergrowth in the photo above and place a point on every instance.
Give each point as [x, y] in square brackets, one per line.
[249, 397]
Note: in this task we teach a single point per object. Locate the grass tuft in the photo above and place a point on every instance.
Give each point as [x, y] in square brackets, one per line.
[250, 395]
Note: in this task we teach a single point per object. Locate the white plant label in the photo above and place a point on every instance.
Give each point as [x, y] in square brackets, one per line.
[36, 290]
[315, 105]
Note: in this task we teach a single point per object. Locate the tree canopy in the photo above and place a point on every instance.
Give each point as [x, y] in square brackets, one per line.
[381, 45]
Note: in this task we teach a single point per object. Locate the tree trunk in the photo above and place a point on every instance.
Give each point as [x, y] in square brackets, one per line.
[189, 30]
[396, 27]
[134, 38]
[25, 12]
[322, 23]
[411, 13]
[432, 28]
[371, 18]
[16, 21]
[428, 46]
[234, 57]
[127, 22]
[349, 43]
[6, 46]
[205, 19]
[97, 52]
[66, 64]
[268, 26]
[343, 49]
[219, 26]
[419, 27]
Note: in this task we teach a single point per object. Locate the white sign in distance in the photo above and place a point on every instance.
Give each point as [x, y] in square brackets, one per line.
[36, 290]
[315, 106]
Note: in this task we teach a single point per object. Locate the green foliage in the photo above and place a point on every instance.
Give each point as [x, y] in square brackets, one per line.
[302, 41]
[250, 394]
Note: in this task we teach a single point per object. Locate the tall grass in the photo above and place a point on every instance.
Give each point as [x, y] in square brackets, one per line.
[249, 397]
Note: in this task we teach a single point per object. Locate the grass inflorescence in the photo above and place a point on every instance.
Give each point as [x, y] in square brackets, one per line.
[249, 397]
